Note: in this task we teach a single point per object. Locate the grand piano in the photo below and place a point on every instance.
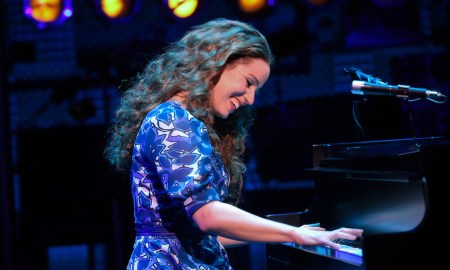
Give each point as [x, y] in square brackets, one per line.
[393, 189]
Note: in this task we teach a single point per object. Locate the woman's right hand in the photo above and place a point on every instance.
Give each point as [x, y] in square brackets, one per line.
[312, 235]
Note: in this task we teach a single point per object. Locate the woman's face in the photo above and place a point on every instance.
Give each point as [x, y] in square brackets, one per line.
[237, 85]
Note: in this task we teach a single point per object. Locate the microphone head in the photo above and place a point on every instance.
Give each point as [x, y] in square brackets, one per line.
[352, 72]
[357, 87]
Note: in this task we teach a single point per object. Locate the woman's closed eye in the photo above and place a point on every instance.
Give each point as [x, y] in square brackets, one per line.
[249, 83]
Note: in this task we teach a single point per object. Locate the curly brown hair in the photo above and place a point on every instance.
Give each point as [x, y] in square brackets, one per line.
[194, 65]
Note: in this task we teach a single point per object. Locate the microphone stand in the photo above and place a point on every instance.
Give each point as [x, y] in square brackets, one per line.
[357, 74]
[416, 146]
[356, 115]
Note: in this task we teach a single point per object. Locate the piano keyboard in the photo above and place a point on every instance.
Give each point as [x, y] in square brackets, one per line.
[349, 254]
[349, 243]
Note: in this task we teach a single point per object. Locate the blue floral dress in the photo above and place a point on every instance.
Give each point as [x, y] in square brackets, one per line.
[175, 171]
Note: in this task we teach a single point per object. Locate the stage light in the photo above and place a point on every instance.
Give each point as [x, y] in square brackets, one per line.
[116, 9]
[252, 6]
[47, 12]
[182, 8]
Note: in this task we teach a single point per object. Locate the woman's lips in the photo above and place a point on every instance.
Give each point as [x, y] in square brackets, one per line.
[235, 102]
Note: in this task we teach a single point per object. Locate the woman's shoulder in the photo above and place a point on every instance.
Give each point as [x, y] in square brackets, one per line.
[171, 111]
[172, 118]
[169, 108]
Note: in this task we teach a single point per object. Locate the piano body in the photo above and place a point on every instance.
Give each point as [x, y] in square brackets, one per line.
[393, 189]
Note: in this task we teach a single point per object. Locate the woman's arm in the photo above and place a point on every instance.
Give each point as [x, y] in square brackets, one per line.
[227, 242]
[233, 223]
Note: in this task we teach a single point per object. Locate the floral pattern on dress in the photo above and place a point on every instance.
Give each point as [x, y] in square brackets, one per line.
[175, 171]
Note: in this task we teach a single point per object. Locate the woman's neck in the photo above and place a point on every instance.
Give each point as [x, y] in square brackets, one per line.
[180, 98]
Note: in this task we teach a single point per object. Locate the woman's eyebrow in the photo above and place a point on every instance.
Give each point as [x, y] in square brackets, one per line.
[254, 78]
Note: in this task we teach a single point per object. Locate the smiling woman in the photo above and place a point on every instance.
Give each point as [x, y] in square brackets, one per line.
[236, 87]
[238, 84]
[180, 132]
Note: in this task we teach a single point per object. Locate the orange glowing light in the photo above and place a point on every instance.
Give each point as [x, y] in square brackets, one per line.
[46, 11]
[115, 8]
[251, 6]
[183, 8]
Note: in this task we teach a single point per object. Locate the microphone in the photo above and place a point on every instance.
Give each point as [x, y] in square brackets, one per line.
[401, 91]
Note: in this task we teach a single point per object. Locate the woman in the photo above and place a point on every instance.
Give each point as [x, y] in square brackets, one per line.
[182, 127]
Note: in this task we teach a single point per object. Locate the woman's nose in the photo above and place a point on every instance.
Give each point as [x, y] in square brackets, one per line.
[249, 97]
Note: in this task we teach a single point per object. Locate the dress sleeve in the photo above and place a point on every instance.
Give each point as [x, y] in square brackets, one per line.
[181, 151]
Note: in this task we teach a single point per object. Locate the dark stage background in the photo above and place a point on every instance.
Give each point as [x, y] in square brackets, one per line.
[63, 208]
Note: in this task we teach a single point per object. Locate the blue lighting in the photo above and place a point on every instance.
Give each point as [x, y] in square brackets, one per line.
[68, 12]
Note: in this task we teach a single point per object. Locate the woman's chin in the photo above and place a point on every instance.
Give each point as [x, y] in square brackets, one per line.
[222, 115]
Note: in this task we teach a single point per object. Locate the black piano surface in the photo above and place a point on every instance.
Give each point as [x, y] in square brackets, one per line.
[393, 189]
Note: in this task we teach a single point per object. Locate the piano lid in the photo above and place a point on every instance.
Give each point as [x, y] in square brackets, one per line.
[378, 148]
[398, 154]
